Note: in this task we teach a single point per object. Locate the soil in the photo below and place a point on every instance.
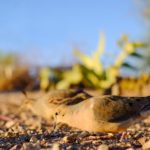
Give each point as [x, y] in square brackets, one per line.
[26, 131]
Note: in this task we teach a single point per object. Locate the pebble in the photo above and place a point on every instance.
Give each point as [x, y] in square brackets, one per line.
[1, 131]
[9, 124]
[29, 146]
[33, 139]
[70, 139]
[142, 140]
[146, 146]
[84, 134]
[55, 146]
[43, 141]
[14, 147]
[103, 147]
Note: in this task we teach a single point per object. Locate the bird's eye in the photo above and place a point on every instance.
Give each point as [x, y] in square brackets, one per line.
[56, 113]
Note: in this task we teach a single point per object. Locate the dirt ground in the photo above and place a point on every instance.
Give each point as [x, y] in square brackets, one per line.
[29, 132]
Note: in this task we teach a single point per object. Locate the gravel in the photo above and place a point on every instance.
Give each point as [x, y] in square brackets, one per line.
[26, 131]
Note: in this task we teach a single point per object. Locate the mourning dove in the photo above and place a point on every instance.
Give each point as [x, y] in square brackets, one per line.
[105, 113]
[99, 114]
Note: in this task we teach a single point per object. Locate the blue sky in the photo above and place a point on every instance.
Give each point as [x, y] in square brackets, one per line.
[45, 31]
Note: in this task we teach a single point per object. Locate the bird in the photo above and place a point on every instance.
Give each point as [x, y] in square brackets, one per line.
[107, 113]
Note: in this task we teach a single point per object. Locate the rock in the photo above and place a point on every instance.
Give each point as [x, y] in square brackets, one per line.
[29, 146]
[103, 147]
[142, 140]
[33, 139]
[70, 139]
[84, 134]
[55, 146]
[9, 124]
[14, 147]
[146, 146]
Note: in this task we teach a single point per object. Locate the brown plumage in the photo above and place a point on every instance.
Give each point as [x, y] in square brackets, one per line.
[101, 113]
[105, 113]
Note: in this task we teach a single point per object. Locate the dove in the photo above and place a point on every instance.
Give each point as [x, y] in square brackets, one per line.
[104, 113]
[78, 109]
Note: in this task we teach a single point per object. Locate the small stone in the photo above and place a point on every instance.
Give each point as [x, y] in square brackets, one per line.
[129, 144]
[1, 131]
[130, 149]
[29, 146]
[110, 134]
[9, 134]
[103, 147]
[142, 140]
[65, 139]
[9, 124]
[137, 126]
[33, 139]
[146, 146]
[43, 141]
[14, 147]
[70, 139]
[84, 134]
[55, 146]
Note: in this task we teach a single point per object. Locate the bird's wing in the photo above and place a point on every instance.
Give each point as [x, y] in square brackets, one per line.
[67, 97]
[117, 108]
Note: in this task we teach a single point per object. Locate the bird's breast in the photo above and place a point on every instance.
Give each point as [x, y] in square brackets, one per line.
[83, 118]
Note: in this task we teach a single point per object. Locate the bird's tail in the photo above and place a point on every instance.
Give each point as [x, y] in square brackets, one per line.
[145, 109]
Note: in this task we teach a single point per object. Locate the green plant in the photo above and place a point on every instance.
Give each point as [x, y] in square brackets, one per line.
[48, 77]
[90, 71]
[128, 49]
[7, 64]
[146, 20]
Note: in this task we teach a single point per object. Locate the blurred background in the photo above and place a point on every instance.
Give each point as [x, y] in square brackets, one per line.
[98, 45]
